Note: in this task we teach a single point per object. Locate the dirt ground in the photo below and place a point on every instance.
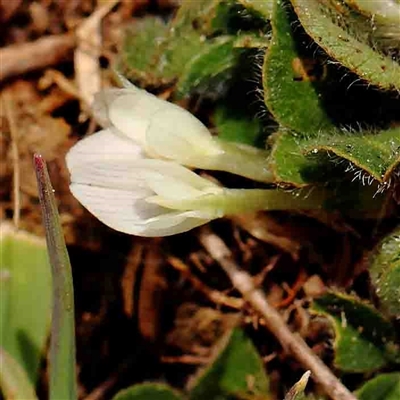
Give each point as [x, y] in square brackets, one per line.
[147, 309]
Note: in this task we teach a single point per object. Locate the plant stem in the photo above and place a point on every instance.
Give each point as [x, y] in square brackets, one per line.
[242, 160]
[238, 201]
[291, 343]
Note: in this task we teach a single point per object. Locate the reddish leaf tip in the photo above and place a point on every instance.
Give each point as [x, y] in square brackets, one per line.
[39, 164]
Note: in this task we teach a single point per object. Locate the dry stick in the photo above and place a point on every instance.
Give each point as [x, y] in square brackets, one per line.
[88, 52]
[214, 295]
[8, 104]
[19, 59]
[291, 343]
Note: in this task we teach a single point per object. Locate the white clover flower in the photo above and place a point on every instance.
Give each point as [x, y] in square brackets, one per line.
[165, 130]
[126, 191]
[111, 177]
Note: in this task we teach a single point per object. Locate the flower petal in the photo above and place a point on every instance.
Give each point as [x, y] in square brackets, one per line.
[186, 224]
[173, 181]
[103, 101]
[111, 160]
[132, 111]
[120, 210]
[102, 146]
[176, 134]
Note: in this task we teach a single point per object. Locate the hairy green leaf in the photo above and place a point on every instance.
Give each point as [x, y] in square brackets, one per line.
[263, 7]
[288, 162]
[291, 95]
[324, 21]
[385, 273]
[376, 153]
[364, 340]
[368, 156]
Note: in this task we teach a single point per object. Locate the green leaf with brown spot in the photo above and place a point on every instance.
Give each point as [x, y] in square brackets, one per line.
[290, 94]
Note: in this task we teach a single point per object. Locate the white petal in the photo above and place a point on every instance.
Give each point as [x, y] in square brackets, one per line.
[185, 224]
[102, 146]
[123, 171]
[119, 210]
[103, 101]
[173, 181]
[176, 134]
[131, 113]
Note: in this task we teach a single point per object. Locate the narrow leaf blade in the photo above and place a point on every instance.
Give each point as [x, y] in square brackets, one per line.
[14, 382]
[62, 344]
[25, 302]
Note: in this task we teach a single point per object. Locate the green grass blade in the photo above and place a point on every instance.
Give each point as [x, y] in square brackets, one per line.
[62, 343]
[25, 303]
[14, 382]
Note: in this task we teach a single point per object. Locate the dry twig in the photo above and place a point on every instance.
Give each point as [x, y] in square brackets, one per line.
[214, 295]
[8, 104]
[88, 52]
[185, 359]
[292, 343]
[19, 59]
